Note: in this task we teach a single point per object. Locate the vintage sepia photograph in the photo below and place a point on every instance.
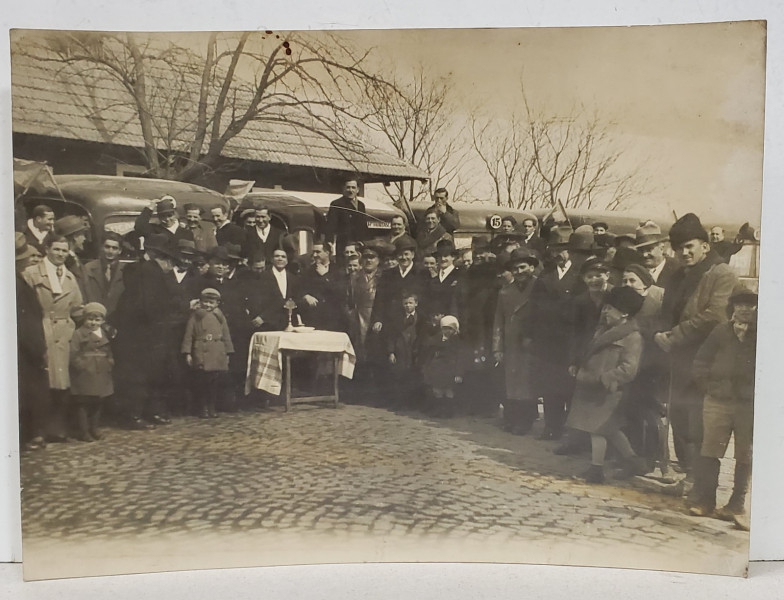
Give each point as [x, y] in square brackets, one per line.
[457, 295]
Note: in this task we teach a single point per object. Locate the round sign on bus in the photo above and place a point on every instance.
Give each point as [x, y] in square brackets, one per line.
[495, 221]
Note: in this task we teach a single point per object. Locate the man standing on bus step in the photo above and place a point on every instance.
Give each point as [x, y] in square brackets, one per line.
[448, 216]
[695, 301]
[347, 218]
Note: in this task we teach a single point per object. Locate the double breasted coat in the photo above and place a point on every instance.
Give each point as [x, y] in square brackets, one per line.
[512, 335]
[91, 364]
[58, 311]
[207, 340]
[361, 296]
[611, 361]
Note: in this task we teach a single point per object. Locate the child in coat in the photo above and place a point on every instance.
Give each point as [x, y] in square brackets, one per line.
[404, 337]
[443, 366]
[206, 346]
[90, 366]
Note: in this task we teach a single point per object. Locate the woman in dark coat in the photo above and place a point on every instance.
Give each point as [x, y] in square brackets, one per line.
[610, 362]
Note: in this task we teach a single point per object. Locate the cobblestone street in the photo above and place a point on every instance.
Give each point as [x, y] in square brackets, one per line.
[352, 484]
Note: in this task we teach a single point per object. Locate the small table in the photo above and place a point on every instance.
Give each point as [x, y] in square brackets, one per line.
[270, 349]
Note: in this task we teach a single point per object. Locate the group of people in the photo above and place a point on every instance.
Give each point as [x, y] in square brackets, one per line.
[618, 339]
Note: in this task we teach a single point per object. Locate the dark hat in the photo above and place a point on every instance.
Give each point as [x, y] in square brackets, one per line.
[69, 225]
[600, 224]
[581, 239]
[369, 251]
[161, 243]
[625, 257]
[625, 299]
[604, 240]
[624, 237]
[523, 255]
[234, 250]
[165, 205]
[641, 272]
[445, 248]
[502, 261]
[247, 212]
[186, 247]
[222, 254]
[647, 234]
[593, 263]
[559, 236]
[210, 294]
[688, 227]
[743, 295]
[382, 248]
[405, 242]
[480, 242]
[22, 249]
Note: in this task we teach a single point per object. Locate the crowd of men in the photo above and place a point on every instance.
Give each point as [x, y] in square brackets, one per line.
[619, 337]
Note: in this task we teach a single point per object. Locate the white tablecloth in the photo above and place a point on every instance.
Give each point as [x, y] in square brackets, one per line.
[265, 364]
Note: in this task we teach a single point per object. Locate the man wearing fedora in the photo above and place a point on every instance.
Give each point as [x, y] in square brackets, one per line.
[102, 279]
[553, 296]
[512, 344]
[74, 229]
[651, 244]
[168, 222]
[34, 400]
[147, 345]
[695, 301]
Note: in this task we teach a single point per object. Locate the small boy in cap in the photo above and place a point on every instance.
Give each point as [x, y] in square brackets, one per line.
[443, 366]
[90, 365]
[206, 346]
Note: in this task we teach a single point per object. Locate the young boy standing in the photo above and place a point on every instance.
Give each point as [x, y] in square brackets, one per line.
[206, 346]
[91, 364]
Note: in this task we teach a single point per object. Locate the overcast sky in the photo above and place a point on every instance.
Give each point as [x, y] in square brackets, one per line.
[688, 100]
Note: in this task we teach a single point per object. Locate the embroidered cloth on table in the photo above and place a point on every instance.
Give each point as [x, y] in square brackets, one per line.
[265, 361]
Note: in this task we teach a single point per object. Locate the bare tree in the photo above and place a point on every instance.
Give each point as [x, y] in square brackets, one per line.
[535, 159]
[415, 119]
[190, 102]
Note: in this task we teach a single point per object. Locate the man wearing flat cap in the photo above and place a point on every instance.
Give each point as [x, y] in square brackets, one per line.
[513, 346]
[651, 243]
[695, 301]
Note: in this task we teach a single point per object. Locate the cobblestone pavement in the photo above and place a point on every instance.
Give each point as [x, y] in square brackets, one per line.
[398, 486]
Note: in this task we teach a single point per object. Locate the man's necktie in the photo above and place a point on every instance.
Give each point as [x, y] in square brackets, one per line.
[60, 272]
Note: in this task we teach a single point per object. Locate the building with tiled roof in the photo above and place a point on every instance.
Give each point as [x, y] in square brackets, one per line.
[79, 123]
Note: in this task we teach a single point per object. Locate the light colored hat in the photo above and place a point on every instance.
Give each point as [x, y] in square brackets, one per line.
[94, 308]
[647, 234]
[210, 294]
[450, 321]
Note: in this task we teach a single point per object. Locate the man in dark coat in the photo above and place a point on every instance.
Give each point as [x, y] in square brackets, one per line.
[553, 295]
[513, 345]
[146, 347]
[530, 239]
[34, 400]
[226, 232]
[203, 231]
[168, 222]
[695, 301]
[322, 302]
[347, 218]
[650, 243]
[443, 292]
[723, 247]
[405, 277]
[102, 279]
[264, 239]
[276, 285]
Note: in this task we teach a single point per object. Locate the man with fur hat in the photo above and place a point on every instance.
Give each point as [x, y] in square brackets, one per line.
[513, 346]
[724, 368]
[553, 297]
[651, 244]
[695, 301]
